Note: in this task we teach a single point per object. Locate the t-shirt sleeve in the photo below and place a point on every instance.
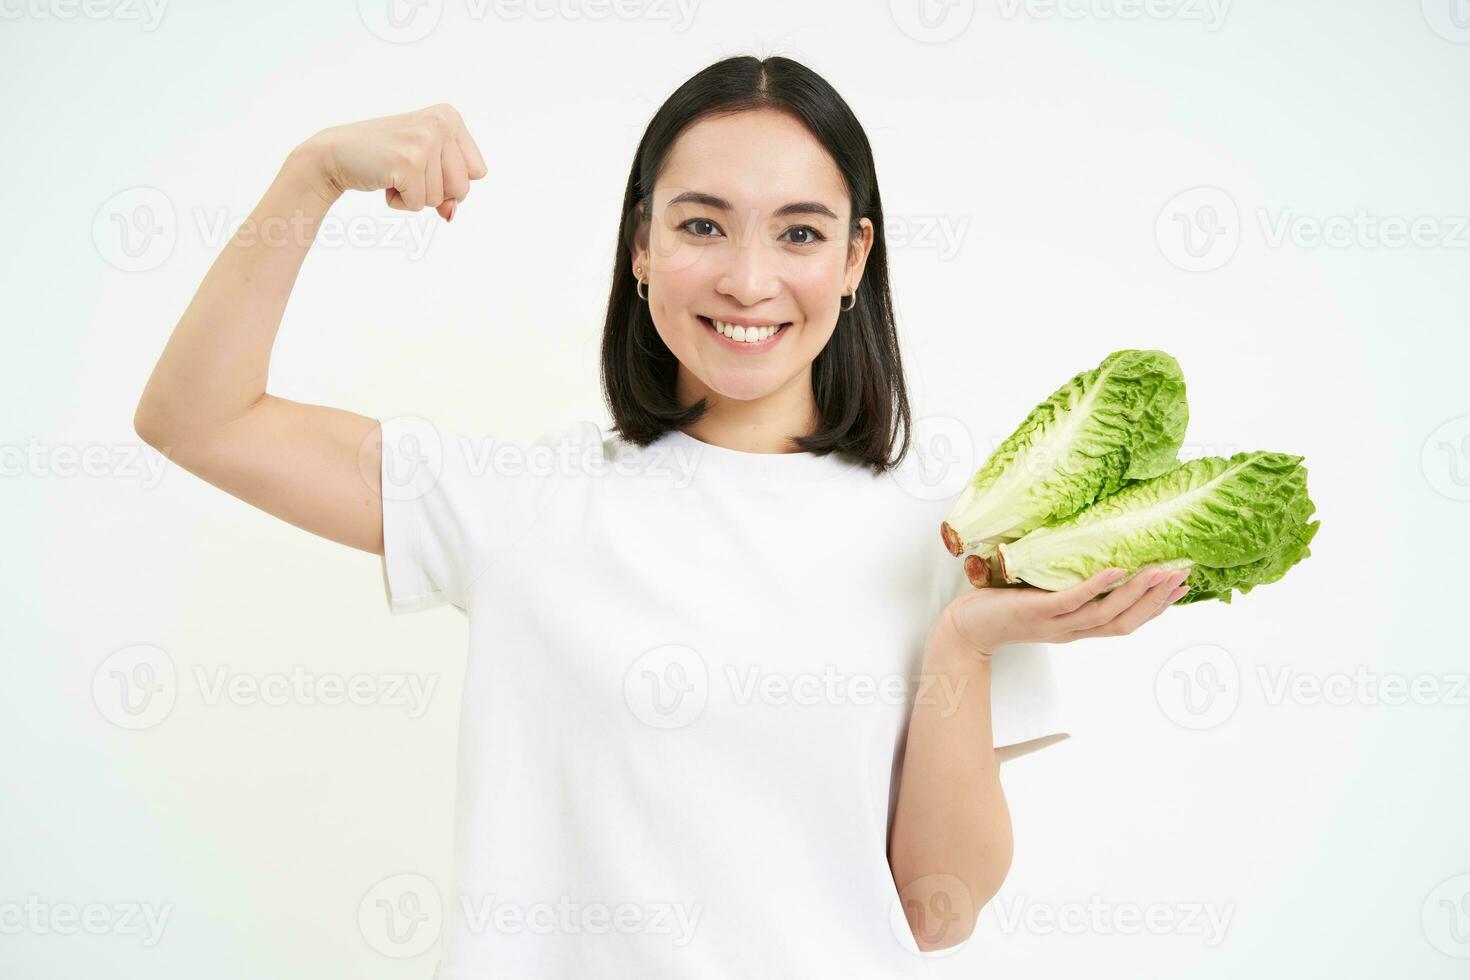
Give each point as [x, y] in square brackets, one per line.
[438, 509]
[1025, 699]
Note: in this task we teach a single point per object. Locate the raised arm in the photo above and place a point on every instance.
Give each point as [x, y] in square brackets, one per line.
[205, 405]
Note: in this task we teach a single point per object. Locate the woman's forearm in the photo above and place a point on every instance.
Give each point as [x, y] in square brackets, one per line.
[951, 844]
[215, 364]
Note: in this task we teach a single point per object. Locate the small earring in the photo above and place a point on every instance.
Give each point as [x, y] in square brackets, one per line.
[853, 294]
[638, 273]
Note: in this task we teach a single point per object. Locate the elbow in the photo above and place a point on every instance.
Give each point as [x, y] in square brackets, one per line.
[147, 418]
[150, 427]
[945, 940]
[943, 909]
[143, 425]
[153, 420]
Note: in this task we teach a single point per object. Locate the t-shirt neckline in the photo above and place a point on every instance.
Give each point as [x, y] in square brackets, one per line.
[802, 467]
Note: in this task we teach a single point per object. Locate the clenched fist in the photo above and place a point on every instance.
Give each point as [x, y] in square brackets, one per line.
[418, 159]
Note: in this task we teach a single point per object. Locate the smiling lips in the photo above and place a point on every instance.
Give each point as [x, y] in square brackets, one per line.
[747, 335]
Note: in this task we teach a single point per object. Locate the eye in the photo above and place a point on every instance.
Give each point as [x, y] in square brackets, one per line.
[816, 236]
[698, 221]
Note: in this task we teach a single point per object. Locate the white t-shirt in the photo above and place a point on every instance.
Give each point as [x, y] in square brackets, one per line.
[686, 698]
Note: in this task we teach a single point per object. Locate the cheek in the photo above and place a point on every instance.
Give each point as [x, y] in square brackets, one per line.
[686, 280]
[676, 261]
[817, 286]
[671, 304]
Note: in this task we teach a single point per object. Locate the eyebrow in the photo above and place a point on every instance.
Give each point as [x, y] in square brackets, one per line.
[720, 204]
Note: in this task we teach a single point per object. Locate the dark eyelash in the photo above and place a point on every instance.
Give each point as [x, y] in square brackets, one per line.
[685, 226]
[817, 236]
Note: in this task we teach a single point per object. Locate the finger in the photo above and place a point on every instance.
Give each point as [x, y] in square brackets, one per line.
[1153, 600]
[1169, 590]
[456, 181]
[1171, 600]
[434, 177]
[1151, 605]
[474, 162]
[406, 192]
[456, 172]
[1114, 603]
[1067, 600]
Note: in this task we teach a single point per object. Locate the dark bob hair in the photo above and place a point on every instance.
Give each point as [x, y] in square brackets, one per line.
[857, 379]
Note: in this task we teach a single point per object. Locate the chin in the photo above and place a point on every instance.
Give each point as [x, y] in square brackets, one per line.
[744, 389]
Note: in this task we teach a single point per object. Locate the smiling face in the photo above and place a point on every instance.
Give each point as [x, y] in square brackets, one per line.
[749, 227]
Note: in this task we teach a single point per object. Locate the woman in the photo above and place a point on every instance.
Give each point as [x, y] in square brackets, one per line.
[730, 710]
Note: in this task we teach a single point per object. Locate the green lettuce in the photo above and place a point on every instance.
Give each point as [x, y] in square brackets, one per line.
[1235, 523]
[1120, 422]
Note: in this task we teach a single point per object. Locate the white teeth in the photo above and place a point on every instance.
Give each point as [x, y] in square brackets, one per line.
[747, 335]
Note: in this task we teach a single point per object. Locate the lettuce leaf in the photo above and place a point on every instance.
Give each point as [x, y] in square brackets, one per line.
[1216, 583]
[1119, 422]
[1236, 523]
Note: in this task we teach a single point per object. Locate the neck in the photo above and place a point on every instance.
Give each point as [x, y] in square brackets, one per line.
[760, 425]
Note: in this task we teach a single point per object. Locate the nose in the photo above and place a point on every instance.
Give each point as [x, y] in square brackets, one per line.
[751, 276]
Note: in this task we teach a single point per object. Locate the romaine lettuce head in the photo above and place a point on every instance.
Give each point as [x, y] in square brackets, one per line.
[1123, 420]
[1236, 523]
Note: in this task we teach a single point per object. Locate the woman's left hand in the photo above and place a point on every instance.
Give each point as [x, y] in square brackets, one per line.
[984, 619]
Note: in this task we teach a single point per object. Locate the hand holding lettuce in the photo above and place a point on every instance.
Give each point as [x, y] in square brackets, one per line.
[981, 620]
[1091, 480]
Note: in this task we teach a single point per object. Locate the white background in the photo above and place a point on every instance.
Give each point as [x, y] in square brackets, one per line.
[1032, 159]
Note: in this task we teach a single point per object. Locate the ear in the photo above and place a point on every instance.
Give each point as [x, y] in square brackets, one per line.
[639, 245]
[857, 254]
